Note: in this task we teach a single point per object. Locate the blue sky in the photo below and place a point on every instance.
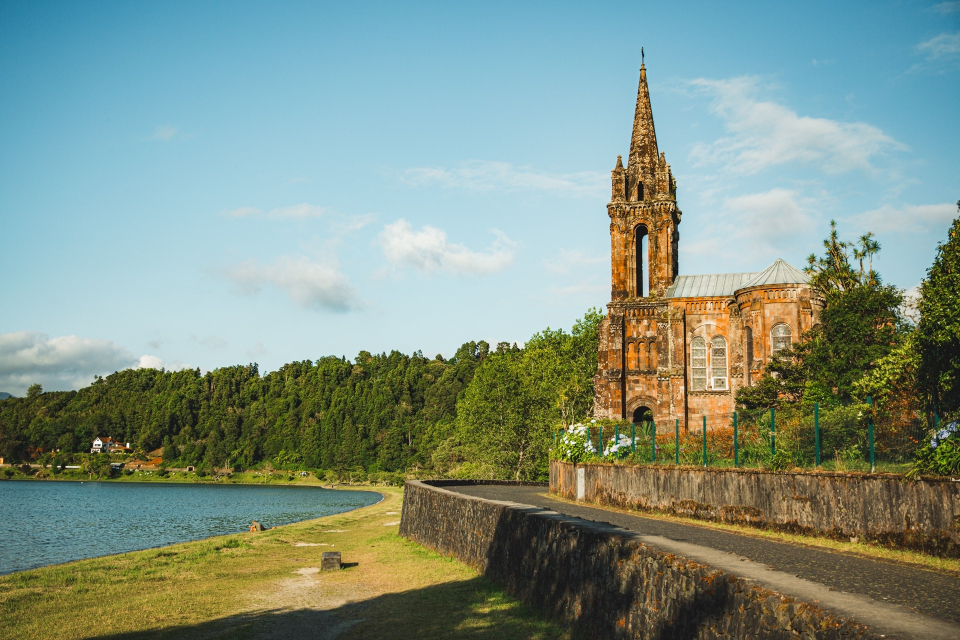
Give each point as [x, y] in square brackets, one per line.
[205, 184]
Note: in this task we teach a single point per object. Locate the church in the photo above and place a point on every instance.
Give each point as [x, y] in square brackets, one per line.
[680, 346]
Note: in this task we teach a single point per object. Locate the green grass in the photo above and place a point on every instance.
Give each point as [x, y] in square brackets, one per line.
[265, 583]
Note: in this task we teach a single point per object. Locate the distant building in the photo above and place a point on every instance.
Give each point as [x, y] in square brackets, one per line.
[677, 347]
[109, 445]
[102, 445]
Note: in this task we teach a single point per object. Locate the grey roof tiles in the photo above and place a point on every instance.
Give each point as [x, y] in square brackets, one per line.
[726, 284]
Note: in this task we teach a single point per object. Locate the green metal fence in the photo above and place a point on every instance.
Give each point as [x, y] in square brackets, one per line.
[854, 438]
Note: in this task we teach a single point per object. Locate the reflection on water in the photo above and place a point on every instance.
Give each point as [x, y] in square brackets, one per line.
[52, 522]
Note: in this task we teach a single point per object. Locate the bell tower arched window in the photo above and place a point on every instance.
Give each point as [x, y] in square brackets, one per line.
[781, 337]
[718, 362]
[698, 364]
[639, 190]
[641, 247]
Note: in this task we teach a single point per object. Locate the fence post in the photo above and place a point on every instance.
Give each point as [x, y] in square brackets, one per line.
[773, 431]
[676, 449]
[873, 465]
[633, 438]
[704, 441]
[653, 437]
[736, 443]
[816, 428]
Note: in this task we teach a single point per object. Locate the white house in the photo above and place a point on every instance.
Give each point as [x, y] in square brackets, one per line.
[102, 445]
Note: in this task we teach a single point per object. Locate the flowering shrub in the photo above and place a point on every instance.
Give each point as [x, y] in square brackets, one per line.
[618, 449]
[942, 456]
[574, 446]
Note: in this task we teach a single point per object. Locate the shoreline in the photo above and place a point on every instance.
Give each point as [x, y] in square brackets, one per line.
[189, 477]
[269, 584]
[206, 538]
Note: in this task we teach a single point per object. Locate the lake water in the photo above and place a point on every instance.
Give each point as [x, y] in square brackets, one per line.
[48, 522]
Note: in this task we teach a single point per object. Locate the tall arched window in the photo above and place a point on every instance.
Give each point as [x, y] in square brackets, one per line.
[698, 364]
[781, 337]
[718, 363]
[641, 247]
[639, 190]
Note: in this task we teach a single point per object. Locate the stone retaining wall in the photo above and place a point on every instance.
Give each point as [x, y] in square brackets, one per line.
[602, 581]
[922, 515]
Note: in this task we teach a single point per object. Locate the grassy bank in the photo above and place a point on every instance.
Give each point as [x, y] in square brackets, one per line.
[238, 477]
[266, 584]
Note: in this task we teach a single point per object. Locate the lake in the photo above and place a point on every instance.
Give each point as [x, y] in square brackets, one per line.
[49, 522]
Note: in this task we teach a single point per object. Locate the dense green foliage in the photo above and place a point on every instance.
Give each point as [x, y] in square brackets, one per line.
[860, 324]
[938, 332]
[519, 397]
[380, 412]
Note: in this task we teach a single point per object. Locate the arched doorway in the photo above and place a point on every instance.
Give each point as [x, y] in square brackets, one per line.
[642, 415]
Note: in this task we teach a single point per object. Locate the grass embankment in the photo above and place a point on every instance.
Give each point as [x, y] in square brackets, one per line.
[269, 476]
[267, 585]
[852, 547]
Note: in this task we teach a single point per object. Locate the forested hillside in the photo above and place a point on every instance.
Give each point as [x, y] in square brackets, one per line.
[488, 410]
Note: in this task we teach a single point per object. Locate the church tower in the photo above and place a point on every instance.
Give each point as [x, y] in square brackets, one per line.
[639, 375]
[643, 212]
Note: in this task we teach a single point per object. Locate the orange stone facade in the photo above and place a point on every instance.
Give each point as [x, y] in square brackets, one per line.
[681, 346]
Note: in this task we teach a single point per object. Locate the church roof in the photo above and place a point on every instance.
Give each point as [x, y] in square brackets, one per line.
[778, 273]
[708, 286]
[727, 284]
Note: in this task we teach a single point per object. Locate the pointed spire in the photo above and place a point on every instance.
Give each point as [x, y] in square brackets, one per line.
[619, 166]
[643, 145]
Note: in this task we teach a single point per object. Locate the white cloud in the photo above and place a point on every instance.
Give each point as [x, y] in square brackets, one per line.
[761, 226]
[945, 45]
[302, 210]
[908, 218]
[256, 350]
[946, 8]
[165, 132]
[312, 285]
[481, 175]
[150, 362]
[764, 134]
[772, 217]
[62, 363]
[429, 251]
[911, 300]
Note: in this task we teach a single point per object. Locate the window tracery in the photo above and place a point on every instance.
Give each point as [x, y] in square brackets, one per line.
[719, 362]
[698, 364]
[781, 337]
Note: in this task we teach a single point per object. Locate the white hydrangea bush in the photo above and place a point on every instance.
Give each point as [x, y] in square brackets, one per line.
[618, 448]
[574, 445]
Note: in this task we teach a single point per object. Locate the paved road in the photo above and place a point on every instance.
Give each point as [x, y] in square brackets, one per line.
[928, 592]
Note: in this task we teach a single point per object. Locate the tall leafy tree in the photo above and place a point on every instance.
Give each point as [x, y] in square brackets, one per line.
[938, 332]
[860, 323]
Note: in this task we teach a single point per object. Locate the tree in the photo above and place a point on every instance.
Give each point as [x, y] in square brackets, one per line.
[519, 396]
[860, 323]
[938, 332]
[34, 391]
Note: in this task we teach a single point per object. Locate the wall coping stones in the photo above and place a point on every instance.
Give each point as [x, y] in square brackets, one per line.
[885, 508]
[604, 581]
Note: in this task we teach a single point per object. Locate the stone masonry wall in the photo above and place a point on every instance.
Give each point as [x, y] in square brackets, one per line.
[601, 581]
[922, 515]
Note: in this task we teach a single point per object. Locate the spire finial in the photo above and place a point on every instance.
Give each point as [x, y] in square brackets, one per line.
[641, 56]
